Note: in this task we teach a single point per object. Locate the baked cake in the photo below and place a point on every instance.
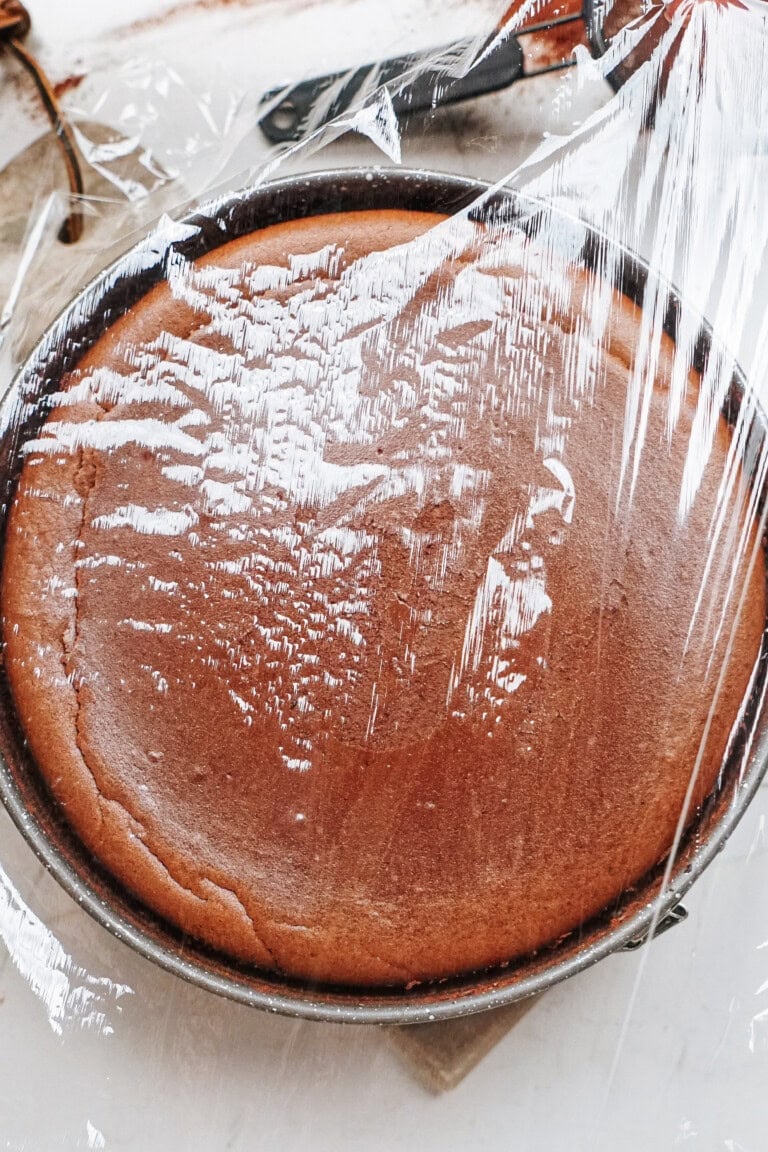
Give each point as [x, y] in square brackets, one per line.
[366, 594]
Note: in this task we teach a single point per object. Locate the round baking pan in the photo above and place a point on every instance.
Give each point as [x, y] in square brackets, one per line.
[21, 787]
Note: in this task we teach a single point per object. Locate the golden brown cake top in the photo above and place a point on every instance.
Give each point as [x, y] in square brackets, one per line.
[366, 595]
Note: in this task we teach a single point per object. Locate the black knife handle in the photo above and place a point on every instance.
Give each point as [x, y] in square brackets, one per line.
[316, 102]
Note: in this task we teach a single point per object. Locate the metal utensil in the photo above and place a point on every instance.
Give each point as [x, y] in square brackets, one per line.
[437, 77]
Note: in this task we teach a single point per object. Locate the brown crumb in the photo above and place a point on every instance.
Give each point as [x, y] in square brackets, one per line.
[68, 84]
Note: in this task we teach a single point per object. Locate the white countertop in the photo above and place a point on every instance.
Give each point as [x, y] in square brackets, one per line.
[646, 1052]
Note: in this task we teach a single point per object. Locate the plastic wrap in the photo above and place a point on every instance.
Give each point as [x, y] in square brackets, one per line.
[383, 595]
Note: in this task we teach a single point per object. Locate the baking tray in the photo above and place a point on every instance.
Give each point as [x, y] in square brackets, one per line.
[640, 912]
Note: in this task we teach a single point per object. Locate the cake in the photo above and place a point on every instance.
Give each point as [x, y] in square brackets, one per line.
[366, 594]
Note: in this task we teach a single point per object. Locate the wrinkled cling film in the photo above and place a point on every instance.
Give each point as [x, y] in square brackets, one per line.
[69, 994]
[244, 429]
